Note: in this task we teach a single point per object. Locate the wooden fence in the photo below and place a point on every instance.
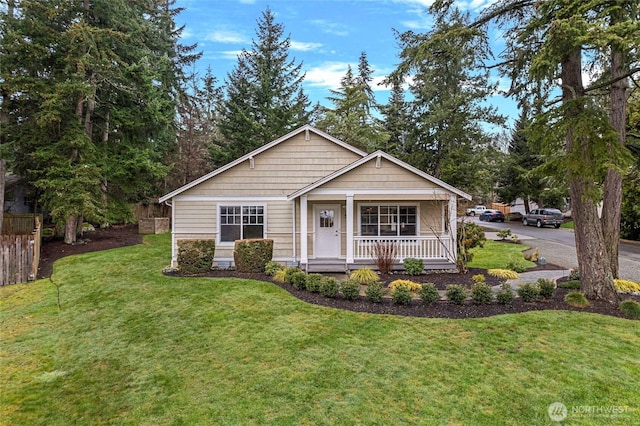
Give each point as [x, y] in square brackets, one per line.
[20, 253]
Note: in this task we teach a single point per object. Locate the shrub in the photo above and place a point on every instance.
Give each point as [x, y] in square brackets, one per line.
[280, 276]
[574, 274]
[478, 278]
[481, 294]
[384, 253]
[626, 286]
[298, 280]
[515, 239]
[410, 285]
[364, 276]
[516, 267]
[546, 288]
[503, 234]
[572, 284]
[413, 266]
[271, 267]
[375, 292]
[289, 272]
[505, 295]
[195, 256]
[630, 309]
[504, 274]
[456, 293]
[528, 292]
[329, 287]
[313, 282]
[350, 289]
[576, 299]
[533, 256]
[401, 295]
[469, 236]
[252, 255]
[429, 293]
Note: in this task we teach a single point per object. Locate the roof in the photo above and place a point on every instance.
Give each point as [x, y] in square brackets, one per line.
[305, 128]
[372, 156]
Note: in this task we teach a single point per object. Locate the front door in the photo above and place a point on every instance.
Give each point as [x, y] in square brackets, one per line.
[327, 230]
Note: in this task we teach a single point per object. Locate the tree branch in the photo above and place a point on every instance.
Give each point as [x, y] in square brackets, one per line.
[609, 82]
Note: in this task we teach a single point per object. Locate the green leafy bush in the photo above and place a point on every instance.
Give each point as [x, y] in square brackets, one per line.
[456, 293]
[572, 284]
[576, 299]
[478, 278]
[503, 234]
[289, 272]
[505, 295]
[350, 289]
[401, 295]
[195, 256]
[313, 282]
[481, 294]
[413, 266]
[375, 292]
[528, 292]
[329, 287]
[252, 256]
[429, 293]
[271, 267]
[574, 275]
[469, 236]
[630, 309]
[280, 276]
[546, 288]
[298, 280]
[364, 276]
[516, 267]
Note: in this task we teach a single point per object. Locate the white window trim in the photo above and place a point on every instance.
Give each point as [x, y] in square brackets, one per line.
[236, 204]
[387, 204]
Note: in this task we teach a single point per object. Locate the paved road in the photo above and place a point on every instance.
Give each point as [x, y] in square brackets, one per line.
[558, 246]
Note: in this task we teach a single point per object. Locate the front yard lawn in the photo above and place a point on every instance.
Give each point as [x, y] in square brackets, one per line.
[132, 346]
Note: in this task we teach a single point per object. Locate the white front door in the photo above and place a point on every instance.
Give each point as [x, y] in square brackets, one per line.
[326, 223]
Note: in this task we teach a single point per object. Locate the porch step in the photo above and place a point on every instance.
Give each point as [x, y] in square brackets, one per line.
[321, 266]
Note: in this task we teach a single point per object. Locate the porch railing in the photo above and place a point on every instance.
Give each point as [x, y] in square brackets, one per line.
[423, 247]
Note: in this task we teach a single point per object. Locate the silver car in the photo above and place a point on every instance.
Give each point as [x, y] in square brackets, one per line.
[543, 217]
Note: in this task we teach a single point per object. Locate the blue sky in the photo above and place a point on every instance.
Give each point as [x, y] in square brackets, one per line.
[326, 36]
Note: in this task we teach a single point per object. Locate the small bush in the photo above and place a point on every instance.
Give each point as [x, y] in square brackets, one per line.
[516, 267]
[350, 289]
[626, 286]
[479, 278]
[503, 234]
[280, 276]
[533, 256]
[630, 309]
[195, 256]
[364, 276]
[329, 287]
[271, 267]
[528, 292]
[574, 275]
[546, 288]
[576, 299]
[413, 266]
[573, 284]
[505, 295]
[456, 293]
[384, 254]
[504, 274]
[515, 239]
[298, 280]
[252, 256]
[313, 282]
[481, 294]
[410, 285]
[401, 295]
[289, 272]
[429, 293]
[375, 292]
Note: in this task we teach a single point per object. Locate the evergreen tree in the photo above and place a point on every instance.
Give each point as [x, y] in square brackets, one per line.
[395, 121]
[264, 98]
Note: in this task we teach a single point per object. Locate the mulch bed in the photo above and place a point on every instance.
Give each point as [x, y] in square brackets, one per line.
[122, 236]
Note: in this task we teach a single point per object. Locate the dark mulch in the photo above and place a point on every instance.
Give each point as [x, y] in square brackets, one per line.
[121, 236]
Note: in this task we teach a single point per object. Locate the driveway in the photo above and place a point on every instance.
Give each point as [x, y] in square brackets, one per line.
[558, 246]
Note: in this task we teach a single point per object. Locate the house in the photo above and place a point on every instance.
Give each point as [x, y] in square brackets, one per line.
[324, 203]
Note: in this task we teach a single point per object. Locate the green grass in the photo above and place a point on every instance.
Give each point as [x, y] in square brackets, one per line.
[497, 255]
[131, 346]
[567, 225]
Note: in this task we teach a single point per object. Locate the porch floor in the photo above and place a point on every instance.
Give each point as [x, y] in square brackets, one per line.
[341, 266]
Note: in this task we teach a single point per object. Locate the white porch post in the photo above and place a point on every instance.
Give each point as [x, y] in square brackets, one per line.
[349, 228]
[453, 229]
[304, 254]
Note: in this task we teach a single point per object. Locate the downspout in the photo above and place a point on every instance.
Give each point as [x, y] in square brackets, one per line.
[293, 208]
[173, 236]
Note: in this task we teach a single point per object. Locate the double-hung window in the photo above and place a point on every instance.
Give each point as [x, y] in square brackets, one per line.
[241, 222]
[388, 220]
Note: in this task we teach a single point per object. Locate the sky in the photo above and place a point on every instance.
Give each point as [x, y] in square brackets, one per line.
[326, 36]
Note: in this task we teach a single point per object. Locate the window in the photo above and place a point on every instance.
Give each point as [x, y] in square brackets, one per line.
[388, 220]
[241, 222]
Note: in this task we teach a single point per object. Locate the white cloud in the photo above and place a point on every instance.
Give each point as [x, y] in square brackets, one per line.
[331, 27]
[329, 74]
[303, 46]
[222, 36]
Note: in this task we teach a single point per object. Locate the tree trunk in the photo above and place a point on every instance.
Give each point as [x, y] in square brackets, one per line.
[2, 175]
[596, 278]
[612, 201]
[71, 229]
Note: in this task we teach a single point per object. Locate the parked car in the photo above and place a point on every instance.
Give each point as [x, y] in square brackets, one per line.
[515, 216]
[490, 215]
[543, 217]
[475, 210]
